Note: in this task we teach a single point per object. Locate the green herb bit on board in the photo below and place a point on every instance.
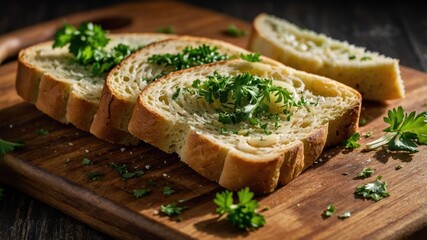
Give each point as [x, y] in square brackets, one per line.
[345, 215]
[351, 142]
[87, 161]
[233, 31]
[138, 193]
[166, 29]
[243, 214]
[95, 176]
[405, 133]
[42, 132]
[376, 190]
[366, 172]
[6, 146]
[330, 209]
[172, 209]
[168, 190]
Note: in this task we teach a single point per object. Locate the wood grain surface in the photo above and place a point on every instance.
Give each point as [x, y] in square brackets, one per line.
[49, 167]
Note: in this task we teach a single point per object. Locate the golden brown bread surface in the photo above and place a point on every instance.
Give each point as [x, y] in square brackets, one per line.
[186, 124]
[375, 76]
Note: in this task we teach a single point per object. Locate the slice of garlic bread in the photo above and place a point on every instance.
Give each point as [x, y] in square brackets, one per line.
[245, 124]
[128, 79]
[62, 88]
[375, 76]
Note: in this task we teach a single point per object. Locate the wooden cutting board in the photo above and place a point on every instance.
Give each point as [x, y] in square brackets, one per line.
[49, 167]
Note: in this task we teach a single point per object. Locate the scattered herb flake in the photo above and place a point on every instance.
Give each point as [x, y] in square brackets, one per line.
[251, 57]
[6, 146]
[166, 29]
[368, 134]
[95, 176]
[366, 172]
[42, 132]
[351, 57]
[399, 166]
[365, 58]
[168, 190]
[176, 93]
[376, 190]
[345, 215]
[233, 31]
[243, 214]
[138, 193]
[351, 142]
[330, 209]
[172, 209]
[362, 122]
[405, 133]
[87, 161]
[123, 171]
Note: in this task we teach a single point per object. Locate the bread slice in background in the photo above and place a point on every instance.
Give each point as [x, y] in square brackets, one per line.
[375, 76]
[187, 124]
[62, 88]
[128, 79]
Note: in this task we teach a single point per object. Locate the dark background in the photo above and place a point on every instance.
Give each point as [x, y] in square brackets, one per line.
[396, 29]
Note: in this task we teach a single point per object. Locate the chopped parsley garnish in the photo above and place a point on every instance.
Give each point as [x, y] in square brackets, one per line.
[399, 166]
[42, 132]
[376, 190]
[168, 190]
[365, 58]
[251, 57]
[123, 171]
[6, 146]
[366, 172]
[1, 193]
[368, 134]
[172, 209]
[176, 93]
[167, 30]
[243, 214]
[138, 193]
[405, 133]
[346, 214]
[362, 122]
[351, 142]
[189, 57]
[87, 44]
[87, 161]
[246, 98]
[352, 57]
[330, 209]
[95, 176]
[233, 31]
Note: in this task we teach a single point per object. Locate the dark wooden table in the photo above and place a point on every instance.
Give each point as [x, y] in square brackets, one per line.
[398, 30]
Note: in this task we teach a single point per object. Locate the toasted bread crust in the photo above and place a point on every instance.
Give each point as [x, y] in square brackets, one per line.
[378, 82]
[53, 97]
[80, 112]
[27, 80]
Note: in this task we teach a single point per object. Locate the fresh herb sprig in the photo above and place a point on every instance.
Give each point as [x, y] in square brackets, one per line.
[330, 209]
[139, 193]
[172, 209]
[376, 190]
[351, 142]
[243, 214]
[366, 172]
[405, 133]
[245, 97]
[6, 146]
[88, 44]
[189, 57]
[251, 57]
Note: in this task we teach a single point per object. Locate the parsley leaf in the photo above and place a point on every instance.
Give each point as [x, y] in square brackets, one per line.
[376, 190]
[242, 214]
[87, 161]
[6, 146]
[42, 132]
[233, 31]
[366, 172]
[168, 191]
[167, 30]
[87, 44]
[172, 209]
[362, 122]
[189, 57]
[251, 57]
[344, 215]
[330, 209]
[405, 133]
[138, 193]
[351, 142]
[124, 173]
[95, 176]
